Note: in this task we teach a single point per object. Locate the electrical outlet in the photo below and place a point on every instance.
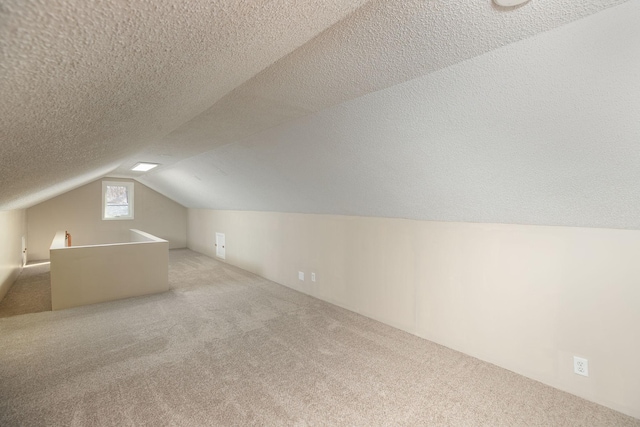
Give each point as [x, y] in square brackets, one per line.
[313, 277]
[580, 366]
[301, 275]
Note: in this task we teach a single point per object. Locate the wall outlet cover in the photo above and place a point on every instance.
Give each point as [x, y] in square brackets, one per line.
[301, 275]
[581, 366]
[313, 277]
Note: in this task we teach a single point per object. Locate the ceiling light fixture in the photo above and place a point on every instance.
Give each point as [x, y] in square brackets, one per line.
[509, 3]
[143, 166]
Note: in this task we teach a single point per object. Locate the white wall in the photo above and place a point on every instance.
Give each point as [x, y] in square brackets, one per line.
[13, 226]
[526, 298]
[80, 213]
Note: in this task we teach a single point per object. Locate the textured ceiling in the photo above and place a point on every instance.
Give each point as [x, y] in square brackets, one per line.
[84, 84]
[507, 115]
[381, 44]
[543, 131]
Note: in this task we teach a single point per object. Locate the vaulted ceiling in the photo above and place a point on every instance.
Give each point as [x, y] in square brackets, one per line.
[437, 110]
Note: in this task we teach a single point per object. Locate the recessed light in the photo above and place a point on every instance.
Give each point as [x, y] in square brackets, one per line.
[509, 3]
[143, 166]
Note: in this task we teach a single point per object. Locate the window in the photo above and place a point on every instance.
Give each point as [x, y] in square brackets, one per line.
[117, 200]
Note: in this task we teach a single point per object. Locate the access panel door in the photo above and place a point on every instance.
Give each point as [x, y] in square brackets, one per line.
[220, 245]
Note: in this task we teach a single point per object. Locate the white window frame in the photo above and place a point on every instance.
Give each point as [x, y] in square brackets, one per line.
[130, 195]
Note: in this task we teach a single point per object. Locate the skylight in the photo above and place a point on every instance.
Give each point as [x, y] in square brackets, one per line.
[143, 166]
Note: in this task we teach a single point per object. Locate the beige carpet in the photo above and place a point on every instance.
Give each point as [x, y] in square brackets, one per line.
[225, 347]
[31, 293]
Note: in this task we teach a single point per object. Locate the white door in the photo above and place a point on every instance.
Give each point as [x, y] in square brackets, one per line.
[220, 245]
[24, 251]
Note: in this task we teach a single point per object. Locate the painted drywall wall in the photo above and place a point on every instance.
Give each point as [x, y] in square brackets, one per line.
[82, 275]
[527, 298]
[13, 226]
[80, 213]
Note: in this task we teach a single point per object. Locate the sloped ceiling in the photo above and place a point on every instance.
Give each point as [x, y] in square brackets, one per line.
[86, 84]
[455, 111]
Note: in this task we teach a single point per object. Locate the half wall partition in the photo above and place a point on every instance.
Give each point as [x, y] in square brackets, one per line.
[82, 275]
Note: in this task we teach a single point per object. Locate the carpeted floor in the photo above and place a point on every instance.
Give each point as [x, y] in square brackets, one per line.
[225, 347]
[31, 293]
